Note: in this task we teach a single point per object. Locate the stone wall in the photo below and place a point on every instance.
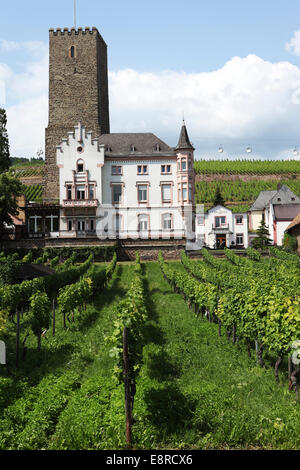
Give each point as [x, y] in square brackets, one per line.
[126, 251]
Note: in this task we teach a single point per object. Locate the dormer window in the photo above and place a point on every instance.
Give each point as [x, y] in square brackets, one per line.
[132, 148]
[278, 199]
[157, 148]
[80, 166]
[108, 149]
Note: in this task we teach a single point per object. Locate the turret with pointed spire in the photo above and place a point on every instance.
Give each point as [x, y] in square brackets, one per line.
[185, 169]
[184, 141]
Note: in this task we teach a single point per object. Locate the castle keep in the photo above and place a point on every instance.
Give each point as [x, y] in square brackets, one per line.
[78, 91]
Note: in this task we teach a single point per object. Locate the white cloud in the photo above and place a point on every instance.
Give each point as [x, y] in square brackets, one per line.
[293, 46]
[35, 48]
[247, 101]
[26, 95]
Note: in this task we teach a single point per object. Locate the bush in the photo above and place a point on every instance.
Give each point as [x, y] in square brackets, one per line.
[290, 242]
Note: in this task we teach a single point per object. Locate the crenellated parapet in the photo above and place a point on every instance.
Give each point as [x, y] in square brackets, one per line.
[75, 32]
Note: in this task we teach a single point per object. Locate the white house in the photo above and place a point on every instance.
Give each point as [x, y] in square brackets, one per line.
[125, 185]
[220, 227]
[278, 208]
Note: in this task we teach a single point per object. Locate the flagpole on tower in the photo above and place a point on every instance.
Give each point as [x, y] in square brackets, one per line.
[75, 14]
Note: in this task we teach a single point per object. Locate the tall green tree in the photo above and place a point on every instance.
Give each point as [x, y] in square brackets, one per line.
[218, 198]
[4, 144]
[262, 240]
[10, 188]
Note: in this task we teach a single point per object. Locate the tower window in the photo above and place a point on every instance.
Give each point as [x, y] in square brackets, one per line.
[72, 52]
[80, 166]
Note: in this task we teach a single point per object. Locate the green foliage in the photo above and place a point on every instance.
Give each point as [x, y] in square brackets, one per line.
[253, 254]
[9, 267]
[4, 145]
[247, 167]
[290, 242]
[262, 240]
[131, 313]
[10, 189]
[33, 192]
[218, 198]
[54, 262]
[28, 258]
[40, 307]
[18, 295]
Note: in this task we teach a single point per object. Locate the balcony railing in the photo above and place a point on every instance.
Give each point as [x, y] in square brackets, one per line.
[220, 228]
[77, 233]
[80, 202]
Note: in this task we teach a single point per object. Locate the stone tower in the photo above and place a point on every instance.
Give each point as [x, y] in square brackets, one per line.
[78, 91]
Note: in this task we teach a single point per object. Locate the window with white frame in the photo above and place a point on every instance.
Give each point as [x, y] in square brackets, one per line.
[116, 170]
[51, 223]
[183, 164]
[142, 192]
[167, 221]
[92, 191]
[142, 169]
[166, 191]
[143, 221]
[80, 192]
[239, 239]
[184, 191]
[220, 220]
[116, 193]
[69, 191]
[166, 169]
[190, 192]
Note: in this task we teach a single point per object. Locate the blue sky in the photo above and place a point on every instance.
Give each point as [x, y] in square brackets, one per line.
[190, 35]
[224, 64]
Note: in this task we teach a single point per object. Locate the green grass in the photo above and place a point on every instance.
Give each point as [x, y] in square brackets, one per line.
[195, 390]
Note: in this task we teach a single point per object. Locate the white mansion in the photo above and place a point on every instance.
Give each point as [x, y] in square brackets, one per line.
[124, 185]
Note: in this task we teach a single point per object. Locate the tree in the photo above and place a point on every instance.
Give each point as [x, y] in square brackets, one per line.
[218, 198]
[262, 240]
[10, 188]
[4, 145]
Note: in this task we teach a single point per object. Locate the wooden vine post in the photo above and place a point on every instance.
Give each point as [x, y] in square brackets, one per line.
[127, 388]
[17, 337]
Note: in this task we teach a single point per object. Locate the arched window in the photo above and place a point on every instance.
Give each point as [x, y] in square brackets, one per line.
[72, 52]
